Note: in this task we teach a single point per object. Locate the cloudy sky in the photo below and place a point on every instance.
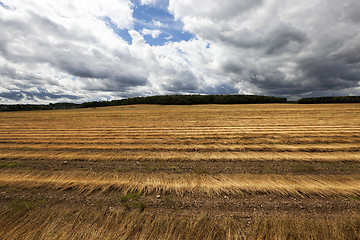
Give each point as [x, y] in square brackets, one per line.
[86, 50]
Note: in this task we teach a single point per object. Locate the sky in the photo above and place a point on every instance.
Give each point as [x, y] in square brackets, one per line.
[89, 50]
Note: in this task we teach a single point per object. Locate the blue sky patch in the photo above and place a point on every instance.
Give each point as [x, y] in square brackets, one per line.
[158, 18]
[153, 18]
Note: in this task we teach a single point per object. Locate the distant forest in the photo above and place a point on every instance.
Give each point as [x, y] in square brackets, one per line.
[182, 100]
[345, 99]
[189, 100]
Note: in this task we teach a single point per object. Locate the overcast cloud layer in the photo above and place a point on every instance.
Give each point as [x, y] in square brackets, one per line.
[82, 50]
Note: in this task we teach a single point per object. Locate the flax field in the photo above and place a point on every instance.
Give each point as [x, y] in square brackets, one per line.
[262, 171]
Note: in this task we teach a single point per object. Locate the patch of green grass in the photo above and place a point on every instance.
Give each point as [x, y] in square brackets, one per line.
[132, 201]
[168, 202]
[353, 197]
[149, 168]
[130, 196]
[14, 190]
[269, 170]
[176, 169]
[303, 168]
[201, 171]
[9, 189]
[20, 205]
[12, 164]
[200, 168]
[139, 205]
[15, 164]
[98, 205]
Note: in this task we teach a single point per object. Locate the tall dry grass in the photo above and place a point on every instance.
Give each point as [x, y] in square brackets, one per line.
[88, 223]
[93, 155]
[294, 227]
[73, 223]
[233, 184]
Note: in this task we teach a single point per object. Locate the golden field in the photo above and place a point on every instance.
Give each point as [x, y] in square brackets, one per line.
[267, 171]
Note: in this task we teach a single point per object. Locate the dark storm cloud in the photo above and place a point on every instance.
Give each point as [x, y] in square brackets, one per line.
[185, 82]
[312, 75]
[17, 96]
[231, 65]
[330, 74]
[279, 38]
[8, 71]
[274, 82]
[282, 48]
[95, 65]
[222, 88]
[348, 53]
[273, 40]
[41, 95]
[331, 64]
[121, 84]
[11, 73]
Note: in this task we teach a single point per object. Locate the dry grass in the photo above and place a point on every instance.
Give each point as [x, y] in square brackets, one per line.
[290, 227]
[233, 184]
[349, 147]
[114, 224]
[176, 156]
[75, 223]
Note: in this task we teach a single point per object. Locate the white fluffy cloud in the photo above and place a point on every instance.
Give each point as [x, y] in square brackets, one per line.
[147, 2]
[44, 40]
[75, 51]
[154, 33]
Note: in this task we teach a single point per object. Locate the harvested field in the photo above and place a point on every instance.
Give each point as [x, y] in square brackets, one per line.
[267, 171]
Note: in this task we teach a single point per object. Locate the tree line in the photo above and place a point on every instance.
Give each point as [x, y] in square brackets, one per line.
[342, 99]
[30, 107]
[182, 100]
[188, 100]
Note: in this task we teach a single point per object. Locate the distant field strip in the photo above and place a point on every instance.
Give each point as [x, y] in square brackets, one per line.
[350, 147]
[181, 131]
[197, 140]
[92, 155]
